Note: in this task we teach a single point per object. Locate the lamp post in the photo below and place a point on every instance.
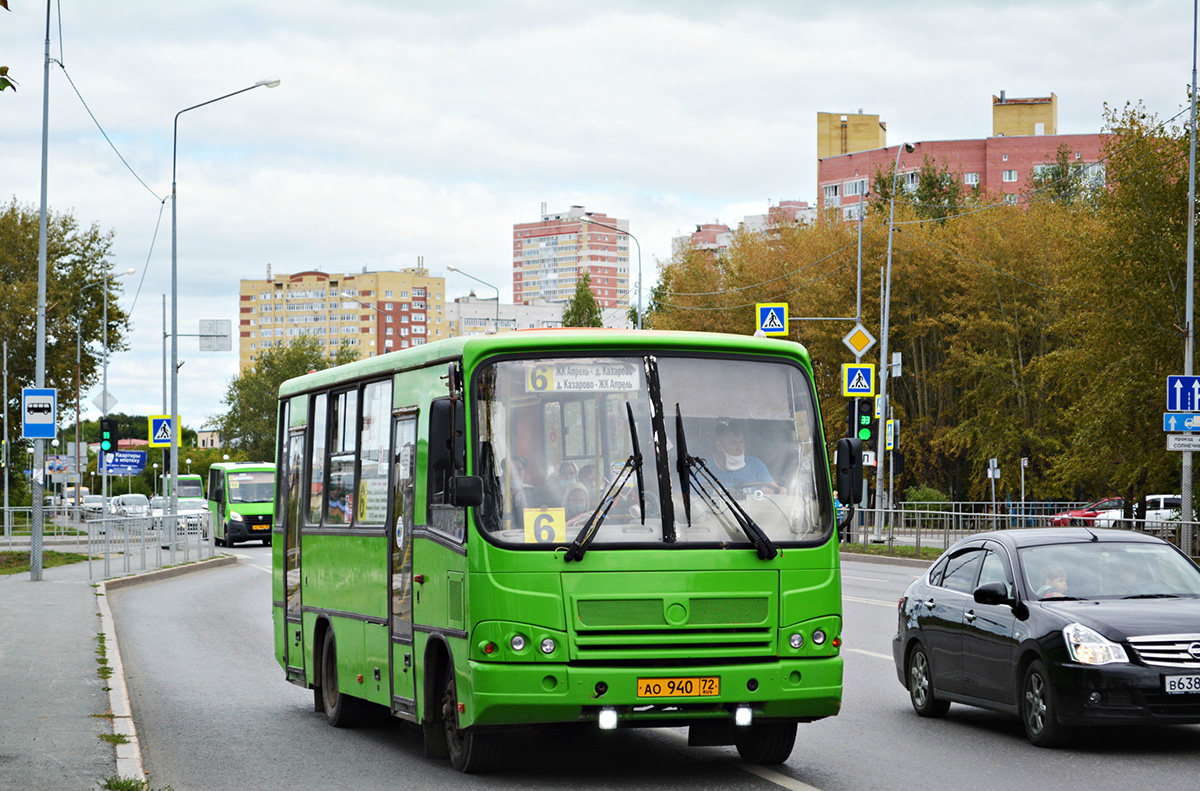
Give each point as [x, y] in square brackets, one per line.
[489, 285]
[639, 251]
[884, 367]
[174, 465]
[105, 281]
[189, 464]
[154, 481]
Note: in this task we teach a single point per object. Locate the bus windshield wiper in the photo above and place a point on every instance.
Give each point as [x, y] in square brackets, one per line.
[694, 468]
[633, 465]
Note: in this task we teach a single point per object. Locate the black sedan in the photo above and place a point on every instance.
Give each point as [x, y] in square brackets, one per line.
[1061, 627]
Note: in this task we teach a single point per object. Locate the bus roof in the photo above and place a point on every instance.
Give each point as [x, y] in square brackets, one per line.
[248, 466]
[473, 348]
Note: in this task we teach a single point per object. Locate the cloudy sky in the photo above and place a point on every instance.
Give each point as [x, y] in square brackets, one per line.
[405, 129]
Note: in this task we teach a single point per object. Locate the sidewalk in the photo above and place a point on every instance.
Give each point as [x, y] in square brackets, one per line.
[50, 684]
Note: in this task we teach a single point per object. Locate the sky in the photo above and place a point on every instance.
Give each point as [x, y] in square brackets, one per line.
[404, 129]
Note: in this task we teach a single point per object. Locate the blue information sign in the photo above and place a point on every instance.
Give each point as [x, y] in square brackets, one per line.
[1183, 393]
[125, 462]
[1181, 421]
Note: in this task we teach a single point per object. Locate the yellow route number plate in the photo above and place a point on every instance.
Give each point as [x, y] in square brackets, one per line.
[695, 686]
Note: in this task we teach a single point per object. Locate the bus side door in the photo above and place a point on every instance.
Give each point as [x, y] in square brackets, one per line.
[404, 450]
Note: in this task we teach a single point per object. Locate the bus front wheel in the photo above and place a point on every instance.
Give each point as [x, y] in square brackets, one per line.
[470, 752]
[765, 743]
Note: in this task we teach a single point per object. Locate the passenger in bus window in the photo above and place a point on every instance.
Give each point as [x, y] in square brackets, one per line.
[576, 501]
[587, 477]
[558, 484]
[731, 464]
[516, 469]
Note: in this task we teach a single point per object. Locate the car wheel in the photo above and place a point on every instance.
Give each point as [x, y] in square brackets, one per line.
[920, 685]
[469, 752]
[1039, 710]
[765, 743]
[342, 711]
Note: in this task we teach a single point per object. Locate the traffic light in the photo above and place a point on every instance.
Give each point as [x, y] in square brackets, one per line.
[108, 434]
[866, 426]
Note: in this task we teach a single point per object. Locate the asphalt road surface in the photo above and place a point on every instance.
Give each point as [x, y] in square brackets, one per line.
[214, 712]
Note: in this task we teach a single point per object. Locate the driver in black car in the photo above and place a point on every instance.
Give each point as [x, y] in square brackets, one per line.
[732, 466]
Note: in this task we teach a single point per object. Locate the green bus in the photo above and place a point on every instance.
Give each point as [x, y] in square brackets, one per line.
[556, 526]
[241, 501]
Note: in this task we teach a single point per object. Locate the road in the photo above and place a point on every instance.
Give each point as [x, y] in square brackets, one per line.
[214, 712]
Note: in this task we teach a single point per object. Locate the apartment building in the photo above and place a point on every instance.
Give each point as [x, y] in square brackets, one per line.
[549, 256]
[715, 237]
[376, 312]
[1024, 140]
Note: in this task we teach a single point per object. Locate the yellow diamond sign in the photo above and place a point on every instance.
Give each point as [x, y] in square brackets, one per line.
[859, 340]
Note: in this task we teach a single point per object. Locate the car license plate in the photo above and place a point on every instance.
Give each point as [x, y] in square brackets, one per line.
[260, 527]
[694, 686]
[1179, 685]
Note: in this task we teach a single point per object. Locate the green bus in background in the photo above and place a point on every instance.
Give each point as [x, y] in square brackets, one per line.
[241, 501]
[627, 529]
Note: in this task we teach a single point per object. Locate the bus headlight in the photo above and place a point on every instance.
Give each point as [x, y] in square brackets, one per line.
[236, 517]
[819, 637]
[548, 645]
[517, 642]
[796, 641]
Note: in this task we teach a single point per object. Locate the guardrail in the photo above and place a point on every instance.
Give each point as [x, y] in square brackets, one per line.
[941, 524]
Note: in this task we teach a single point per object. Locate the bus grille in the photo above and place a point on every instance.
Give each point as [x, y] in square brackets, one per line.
[653, 630]
[651, 612]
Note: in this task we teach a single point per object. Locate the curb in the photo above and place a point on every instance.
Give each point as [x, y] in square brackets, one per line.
[129, 755]
[915, 563]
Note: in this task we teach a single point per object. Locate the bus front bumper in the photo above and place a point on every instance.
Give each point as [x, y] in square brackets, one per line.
[508, 694]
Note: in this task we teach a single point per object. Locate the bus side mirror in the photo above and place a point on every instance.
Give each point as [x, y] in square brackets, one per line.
[466, 490]
[849, 470]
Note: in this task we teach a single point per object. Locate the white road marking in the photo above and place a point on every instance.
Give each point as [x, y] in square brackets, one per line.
[771, 776]
[878, 602]
[868, 653]
[260, 568]
[864, 579]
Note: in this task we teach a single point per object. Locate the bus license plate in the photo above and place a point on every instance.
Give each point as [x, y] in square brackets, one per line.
[1180, 685]
[695, 686]
[260, 527]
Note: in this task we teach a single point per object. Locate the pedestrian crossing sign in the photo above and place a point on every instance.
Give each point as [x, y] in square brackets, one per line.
[772, 318]
[858, 380]
[162, 428]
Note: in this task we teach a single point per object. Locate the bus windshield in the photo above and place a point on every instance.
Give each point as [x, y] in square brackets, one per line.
[251, 487]
[555, 436]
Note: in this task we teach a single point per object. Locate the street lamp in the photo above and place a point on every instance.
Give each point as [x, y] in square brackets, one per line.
[639, 251]
[104, 364]
[489, 285]
[189, 464]
[884, 367]
[154, 481]
[174, 471]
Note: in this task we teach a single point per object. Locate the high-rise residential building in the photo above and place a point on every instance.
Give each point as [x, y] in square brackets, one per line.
[715, 237]
[375, 312]
[551, 254]
[1024, 140]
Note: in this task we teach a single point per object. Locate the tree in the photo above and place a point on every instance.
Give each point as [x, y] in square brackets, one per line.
[5, 80]
[249, 423]
[77, 263]
[1064, 181]
[582, 310]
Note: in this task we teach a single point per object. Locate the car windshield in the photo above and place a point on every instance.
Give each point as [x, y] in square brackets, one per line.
[556, 435]
[251, 487]
[1108, 570]
[134, 499]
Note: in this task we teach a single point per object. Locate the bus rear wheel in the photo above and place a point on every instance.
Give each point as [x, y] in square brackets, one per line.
[765, 743]
[470, 752]
[342, 711]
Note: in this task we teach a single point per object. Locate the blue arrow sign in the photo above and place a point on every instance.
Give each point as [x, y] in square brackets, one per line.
[1183, 393]
[1179, 422]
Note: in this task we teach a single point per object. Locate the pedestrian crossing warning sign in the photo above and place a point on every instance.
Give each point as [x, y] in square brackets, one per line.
[858, 380]
[773, 318]
[161, 430]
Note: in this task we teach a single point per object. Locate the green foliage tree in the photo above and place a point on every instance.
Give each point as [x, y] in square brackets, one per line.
[1064, 181]
[249, 424]
[77, 263]
[5, 80]
[582, 310]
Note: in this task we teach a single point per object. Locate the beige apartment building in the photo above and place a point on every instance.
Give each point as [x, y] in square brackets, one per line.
[376, 312]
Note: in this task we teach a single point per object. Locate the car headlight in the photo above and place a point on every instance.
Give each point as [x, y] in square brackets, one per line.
[1089, 647]
[235, 516]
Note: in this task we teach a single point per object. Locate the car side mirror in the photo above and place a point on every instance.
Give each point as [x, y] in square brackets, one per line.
[992, 593]
[466, 490]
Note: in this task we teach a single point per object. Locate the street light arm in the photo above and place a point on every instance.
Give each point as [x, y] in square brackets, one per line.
[586, 219]
[175, 133]
[489, 285]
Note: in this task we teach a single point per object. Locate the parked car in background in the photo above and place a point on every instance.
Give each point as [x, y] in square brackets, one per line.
[131, 505]
[93, 505]
[1086, 514]
[1061, 627]
[1160, 508]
